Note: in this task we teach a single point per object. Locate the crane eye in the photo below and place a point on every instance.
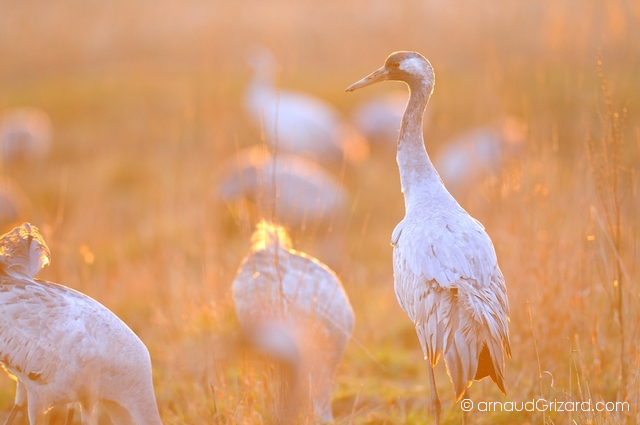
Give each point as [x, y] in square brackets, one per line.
[395, 65]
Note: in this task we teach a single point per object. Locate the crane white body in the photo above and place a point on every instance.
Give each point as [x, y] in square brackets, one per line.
[297, 122]
[276, 284]
[446, 273]
[64, 347]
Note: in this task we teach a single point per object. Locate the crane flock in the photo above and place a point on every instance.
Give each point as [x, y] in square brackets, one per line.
[63, 347]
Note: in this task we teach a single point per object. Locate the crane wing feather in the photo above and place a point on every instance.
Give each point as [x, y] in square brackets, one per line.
[448, 281]
[43, 320]
[29, 338]
[447, 252]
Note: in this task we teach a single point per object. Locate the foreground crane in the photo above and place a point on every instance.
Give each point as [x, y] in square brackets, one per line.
[446, 272]
[64, 347]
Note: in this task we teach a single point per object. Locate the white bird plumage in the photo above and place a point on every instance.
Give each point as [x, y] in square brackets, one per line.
[298, 122]
[64, 347]
[277, 284]
[446, 272]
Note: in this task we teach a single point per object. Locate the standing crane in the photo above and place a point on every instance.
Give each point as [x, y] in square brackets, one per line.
[304, 300]
[63, 347]
[446, 272]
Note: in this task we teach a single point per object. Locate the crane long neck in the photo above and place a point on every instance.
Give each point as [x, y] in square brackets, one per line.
[417, 174]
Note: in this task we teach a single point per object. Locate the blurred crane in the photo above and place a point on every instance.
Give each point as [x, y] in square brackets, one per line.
[378, 119]
[446, 272]
[25, 134]
[14, 204]
[287, 189]
[298, 122]
[476, 155]
[306, 302]
[64, 347]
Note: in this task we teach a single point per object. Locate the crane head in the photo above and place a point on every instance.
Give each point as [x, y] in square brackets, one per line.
[410, 67]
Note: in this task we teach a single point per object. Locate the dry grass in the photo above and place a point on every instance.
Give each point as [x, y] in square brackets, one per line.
[146, 102]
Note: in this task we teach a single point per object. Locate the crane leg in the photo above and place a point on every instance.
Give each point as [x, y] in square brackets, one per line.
[21, 399]
[12, 414]
[70, 414]
[436, 407]
[465, 414]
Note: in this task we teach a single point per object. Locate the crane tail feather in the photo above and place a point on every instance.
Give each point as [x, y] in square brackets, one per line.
[486, 367]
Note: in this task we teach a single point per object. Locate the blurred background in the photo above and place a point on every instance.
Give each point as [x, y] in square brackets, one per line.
[138, 109]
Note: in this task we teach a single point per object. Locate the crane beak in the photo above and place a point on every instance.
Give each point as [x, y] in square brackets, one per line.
[374, 77]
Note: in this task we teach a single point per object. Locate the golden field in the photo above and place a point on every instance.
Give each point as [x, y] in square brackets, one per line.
[146, 104]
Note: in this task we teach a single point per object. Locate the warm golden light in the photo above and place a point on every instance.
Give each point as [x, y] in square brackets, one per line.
[147, 139]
